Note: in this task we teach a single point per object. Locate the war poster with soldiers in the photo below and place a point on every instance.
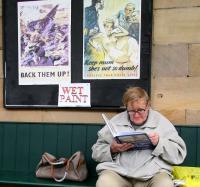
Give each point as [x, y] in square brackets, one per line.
[44, 47]
[111, 39]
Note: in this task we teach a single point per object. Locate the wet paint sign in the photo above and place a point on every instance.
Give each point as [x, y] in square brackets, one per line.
[74, 95]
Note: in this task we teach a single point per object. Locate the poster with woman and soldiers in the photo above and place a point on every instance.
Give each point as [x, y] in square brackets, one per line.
[111, 39]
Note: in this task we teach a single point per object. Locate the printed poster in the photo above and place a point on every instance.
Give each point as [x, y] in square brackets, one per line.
[44, 47]
[111, 39]
[74, 95]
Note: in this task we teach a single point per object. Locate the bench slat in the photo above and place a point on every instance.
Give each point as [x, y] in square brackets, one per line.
[9, 147]
[190, 137]
[35, 146]
[198, 147]
[50, 139]
[78, 138]
[22, 148]
[64, 141]
[91, 139]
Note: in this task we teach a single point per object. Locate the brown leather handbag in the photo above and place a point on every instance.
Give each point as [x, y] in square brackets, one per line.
[74, 168]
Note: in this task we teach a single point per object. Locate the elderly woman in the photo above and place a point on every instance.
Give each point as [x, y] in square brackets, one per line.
[121, 165]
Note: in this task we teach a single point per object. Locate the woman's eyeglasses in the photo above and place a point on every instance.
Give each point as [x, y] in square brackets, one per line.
[139, 111]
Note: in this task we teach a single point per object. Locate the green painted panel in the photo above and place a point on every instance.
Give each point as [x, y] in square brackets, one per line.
[9, 147]
[50, 138]
[189, 134]
[198, 147]
[64, 148]
[36, 145]
[91, 139]
[79, 138]
[1, 144]
[22, 148]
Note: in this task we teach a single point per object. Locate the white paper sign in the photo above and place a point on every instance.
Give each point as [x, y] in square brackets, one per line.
[74, 94]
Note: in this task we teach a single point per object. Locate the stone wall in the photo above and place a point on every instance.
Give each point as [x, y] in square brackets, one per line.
[176, 60]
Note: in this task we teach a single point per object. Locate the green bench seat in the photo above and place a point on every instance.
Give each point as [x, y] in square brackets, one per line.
[22, 145]
[16, 178]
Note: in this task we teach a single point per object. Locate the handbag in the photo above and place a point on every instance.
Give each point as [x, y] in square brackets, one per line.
[74, 168]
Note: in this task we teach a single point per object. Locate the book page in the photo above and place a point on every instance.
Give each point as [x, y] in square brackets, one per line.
[129, 133]
[110, 126]
[133, 138]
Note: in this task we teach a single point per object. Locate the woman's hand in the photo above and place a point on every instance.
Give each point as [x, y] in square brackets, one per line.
[154, 137]
[120, 147]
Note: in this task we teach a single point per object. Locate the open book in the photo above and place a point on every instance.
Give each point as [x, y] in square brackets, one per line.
[139, 139]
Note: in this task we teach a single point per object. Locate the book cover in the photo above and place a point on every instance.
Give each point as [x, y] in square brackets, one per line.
[139, 139]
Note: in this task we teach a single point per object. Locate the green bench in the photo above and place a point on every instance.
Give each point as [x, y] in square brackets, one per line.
[22, 145]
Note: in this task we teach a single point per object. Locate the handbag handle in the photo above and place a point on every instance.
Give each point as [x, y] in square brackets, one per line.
[56, 162]
[62, 179]
[67, 161]
[53, 163]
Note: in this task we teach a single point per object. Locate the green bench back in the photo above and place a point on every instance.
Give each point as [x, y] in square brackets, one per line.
[191, 136]
[22, 144]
